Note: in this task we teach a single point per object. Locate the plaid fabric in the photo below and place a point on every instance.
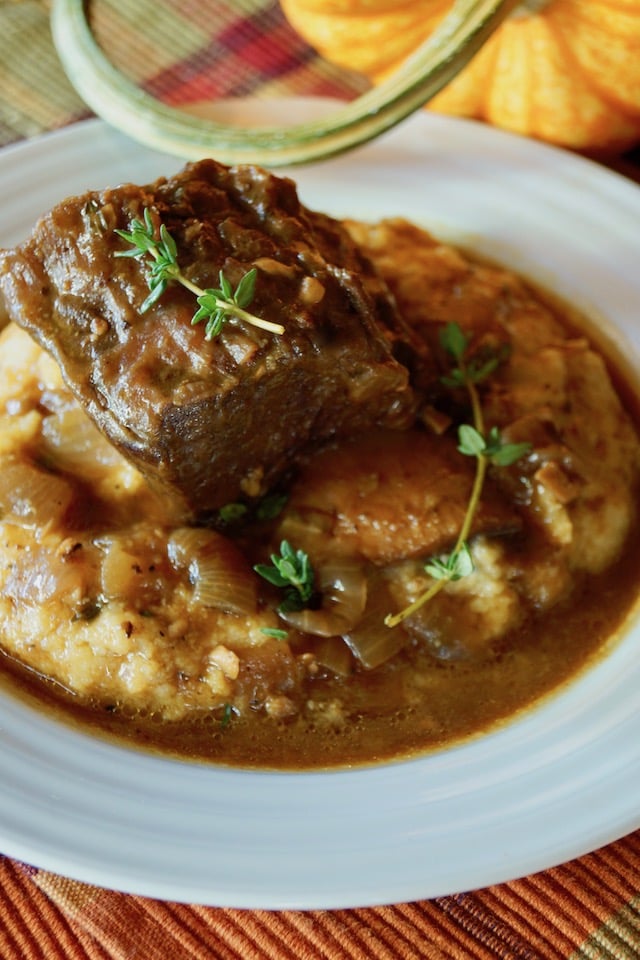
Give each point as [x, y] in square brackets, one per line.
[184, 52]
[181, 52]
[197, 51]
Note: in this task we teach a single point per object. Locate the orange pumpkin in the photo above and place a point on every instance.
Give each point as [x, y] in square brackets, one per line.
[565, 71]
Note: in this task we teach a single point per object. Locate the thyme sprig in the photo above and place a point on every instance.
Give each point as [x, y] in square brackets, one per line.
[474, 441]
[291, 571]
[215, 305]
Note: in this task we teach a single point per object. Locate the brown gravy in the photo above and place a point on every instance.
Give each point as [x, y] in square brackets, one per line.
[455, 700]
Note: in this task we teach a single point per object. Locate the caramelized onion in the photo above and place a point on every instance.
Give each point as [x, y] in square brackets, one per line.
[371, 642]
[33, 497]
[343, 586]
[39, 576]
[334, 654]
[120, 570]
[220, 574]
[72, 442]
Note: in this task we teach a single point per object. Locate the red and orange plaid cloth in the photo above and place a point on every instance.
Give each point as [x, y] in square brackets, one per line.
[186, 51]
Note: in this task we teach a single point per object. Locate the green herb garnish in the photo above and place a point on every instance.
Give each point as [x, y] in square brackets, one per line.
[292, 572]
[228, 712]
[215, 306]
[88, 610]
[473, 441]
[271, 506]
[267, 508]
[451, 566]
[232, 512]
[274, 632]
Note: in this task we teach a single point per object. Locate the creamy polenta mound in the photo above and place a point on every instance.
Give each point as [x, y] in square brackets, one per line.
[93, 591]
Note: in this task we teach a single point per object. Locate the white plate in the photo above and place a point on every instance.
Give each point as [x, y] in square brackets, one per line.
[558, 782]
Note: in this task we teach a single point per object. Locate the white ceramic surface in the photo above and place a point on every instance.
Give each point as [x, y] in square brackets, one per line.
[554, 784]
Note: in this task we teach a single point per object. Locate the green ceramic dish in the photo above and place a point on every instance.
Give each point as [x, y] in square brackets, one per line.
[124, 105]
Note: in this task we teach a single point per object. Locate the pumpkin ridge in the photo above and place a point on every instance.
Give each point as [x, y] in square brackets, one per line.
[566, 71]
[589, 122]
[621, 5]
[372, 45]
[475, 80]
[496, 42]
[590, 80]
[586, 78]
[348, 9]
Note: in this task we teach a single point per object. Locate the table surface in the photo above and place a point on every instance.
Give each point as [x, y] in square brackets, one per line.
[586, 909]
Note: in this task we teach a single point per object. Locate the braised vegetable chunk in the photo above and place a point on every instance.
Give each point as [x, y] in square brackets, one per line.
[285, 492]
[187, 408]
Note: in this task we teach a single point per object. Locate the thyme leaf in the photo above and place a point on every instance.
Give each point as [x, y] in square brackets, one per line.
[451, 566]
[215, 306]
[232, 512]
[228, 712]
[473, 369]
[292, 572]
[473, 444]
[267, 508]
[274, 632]
[271, 506]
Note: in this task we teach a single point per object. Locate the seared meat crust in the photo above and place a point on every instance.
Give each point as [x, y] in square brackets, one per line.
[215, 421]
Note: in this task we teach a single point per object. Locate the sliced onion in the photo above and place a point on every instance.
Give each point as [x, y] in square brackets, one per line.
[119, 568]
[72, 442]
[30, 496]
[184, 543]
[343, 586]
[220, 574]
[334, 654]
[40, 576]
[371, 641]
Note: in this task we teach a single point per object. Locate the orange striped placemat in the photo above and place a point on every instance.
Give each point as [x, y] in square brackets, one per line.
[588, 909]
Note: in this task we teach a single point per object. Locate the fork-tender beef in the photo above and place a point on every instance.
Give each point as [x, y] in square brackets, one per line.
[212, 421]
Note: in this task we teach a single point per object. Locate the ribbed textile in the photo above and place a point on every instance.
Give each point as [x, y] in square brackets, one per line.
[583, 910]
